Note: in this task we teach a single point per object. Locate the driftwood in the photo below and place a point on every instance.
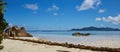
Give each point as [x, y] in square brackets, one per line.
[106, 49]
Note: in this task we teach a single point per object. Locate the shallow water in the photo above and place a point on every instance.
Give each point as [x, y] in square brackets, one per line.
[67, 35]
[102, 38]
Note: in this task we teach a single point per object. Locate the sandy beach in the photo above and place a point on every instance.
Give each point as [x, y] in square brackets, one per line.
[23, 46]
[90, 41]
[59, 26]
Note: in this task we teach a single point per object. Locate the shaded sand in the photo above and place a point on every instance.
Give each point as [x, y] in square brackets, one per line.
[23, 46]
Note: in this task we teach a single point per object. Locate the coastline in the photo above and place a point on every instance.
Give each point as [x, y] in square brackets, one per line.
[41, 41]
[110, 42]
[25, 46]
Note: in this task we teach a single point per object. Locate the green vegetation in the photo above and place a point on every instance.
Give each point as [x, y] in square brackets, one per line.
[1, 38]
[1, 47]
[96, 29]
[3, 23]
[80, 34]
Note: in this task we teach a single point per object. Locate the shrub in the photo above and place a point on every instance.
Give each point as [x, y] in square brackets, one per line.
[3, 23]
[1, 47]
[1, 38]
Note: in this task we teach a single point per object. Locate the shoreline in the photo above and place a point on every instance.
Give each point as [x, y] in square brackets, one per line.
[25, 46]
[93, 40]
[93, 48]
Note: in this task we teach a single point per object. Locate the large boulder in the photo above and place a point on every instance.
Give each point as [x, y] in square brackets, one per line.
[16, 32]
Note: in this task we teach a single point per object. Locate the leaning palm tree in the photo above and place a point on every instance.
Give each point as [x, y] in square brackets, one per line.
[3, 23]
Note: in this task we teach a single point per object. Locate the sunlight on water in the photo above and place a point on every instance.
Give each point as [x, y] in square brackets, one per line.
[97, 38]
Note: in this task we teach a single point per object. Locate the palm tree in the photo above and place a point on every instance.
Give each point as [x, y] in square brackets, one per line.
[3, 23]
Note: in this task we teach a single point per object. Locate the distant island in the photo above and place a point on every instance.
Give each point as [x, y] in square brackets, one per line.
[96, 29]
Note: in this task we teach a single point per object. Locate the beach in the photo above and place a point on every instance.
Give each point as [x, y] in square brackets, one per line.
[59, 26]
[63, 42]
[109, 39]
[23, 46]
[31, 44]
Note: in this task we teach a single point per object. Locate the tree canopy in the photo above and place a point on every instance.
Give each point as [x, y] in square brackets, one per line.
[3, 23]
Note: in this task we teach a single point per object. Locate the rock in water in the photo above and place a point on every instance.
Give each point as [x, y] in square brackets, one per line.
[80, 34]
[76, 34]
[16, 32]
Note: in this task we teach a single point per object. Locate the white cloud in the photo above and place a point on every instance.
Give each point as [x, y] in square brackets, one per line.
[114, 20]
[98, 3]
[98, 19]
[102, 25]
[55, 14]
[33, 7]
[101, 11]
[34, 12]
[88, 4]
[53, 8]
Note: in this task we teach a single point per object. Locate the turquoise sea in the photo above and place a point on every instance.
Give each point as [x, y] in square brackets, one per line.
[66, 36]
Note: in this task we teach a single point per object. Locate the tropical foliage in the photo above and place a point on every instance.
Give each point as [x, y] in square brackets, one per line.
[3, 23]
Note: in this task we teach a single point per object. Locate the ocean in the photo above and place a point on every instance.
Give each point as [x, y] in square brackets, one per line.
[97, 38]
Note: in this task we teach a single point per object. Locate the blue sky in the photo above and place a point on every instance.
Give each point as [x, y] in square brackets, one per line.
[63, 14]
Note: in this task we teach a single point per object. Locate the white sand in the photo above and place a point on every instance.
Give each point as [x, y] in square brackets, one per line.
[23, 46]
[90, 41]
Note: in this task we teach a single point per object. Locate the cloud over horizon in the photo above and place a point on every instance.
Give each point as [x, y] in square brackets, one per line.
[33, 7]
[111, 19]
[55, 14]
[98, 19]
[88, 4]
[101, 11]
[54, 8]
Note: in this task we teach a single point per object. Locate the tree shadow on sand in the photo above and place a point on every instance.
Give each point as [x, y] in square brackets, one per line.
[62, 51]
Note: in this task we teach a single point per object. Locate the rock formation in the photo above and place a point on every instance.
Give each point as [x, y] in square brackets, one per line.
[16, 32]
[80, 34]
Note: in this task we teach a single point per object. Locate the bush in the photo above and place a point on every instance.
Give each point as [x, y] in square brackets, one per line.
[3, 23]
[1, 47]
[1, 38]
